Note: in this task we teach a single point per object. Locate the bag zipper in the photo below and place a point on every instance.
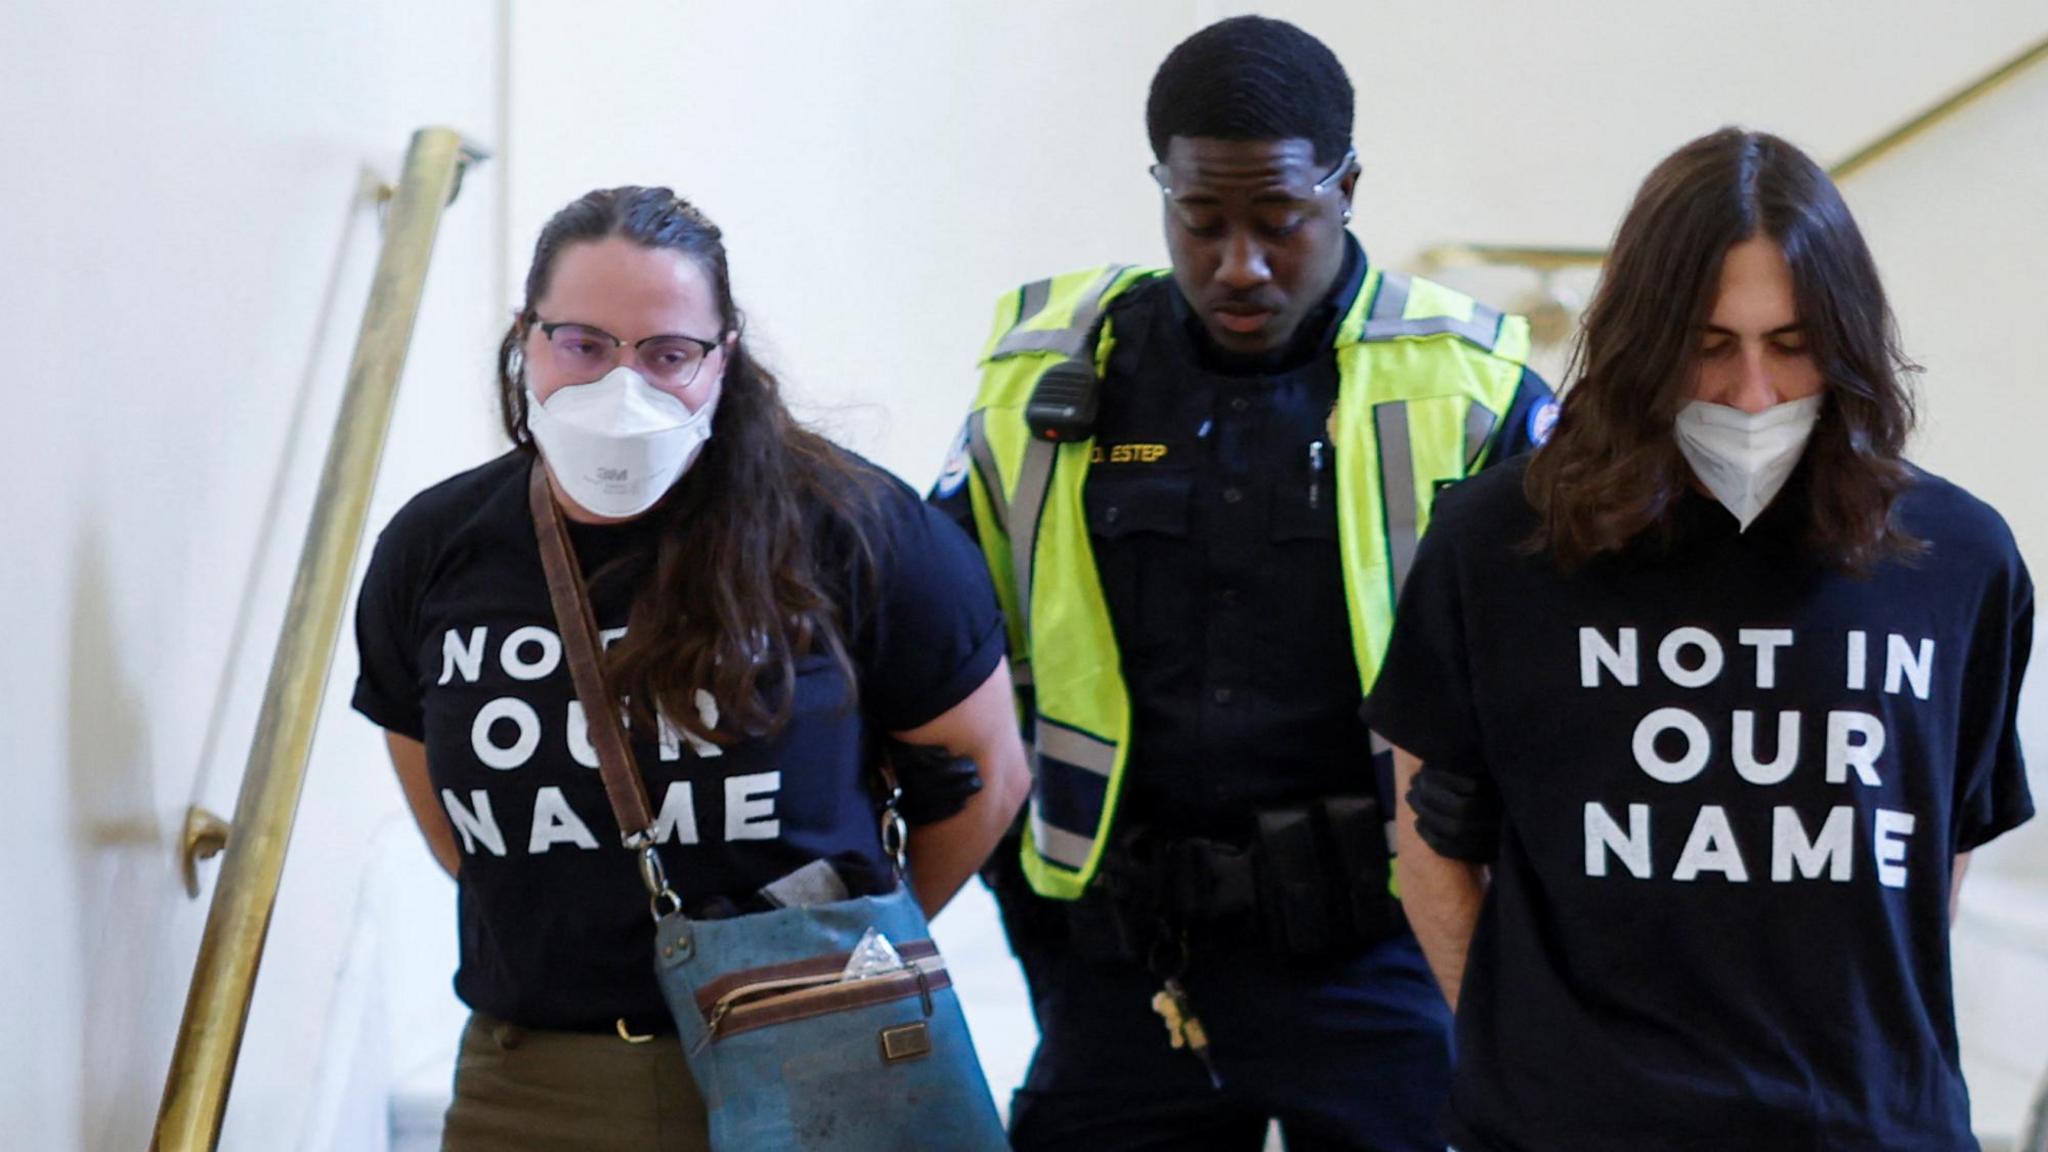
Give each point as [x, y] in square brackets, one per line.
[796, 989]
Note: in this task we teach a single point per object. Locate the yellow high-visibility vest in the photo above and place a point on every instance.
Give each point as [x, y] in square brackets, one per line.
[1426, 376]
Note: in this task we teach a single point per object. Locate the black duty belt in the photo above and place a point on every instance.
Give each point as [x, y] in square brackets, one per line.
[1311, 881]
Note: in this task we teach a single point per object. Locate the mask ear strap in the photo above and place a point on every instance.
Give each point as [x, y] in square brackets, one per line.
[515, 360]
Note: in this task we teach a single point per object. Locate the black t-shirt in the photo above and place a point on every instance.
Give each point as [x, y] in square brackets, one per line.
[460, 651]
[1734, 784]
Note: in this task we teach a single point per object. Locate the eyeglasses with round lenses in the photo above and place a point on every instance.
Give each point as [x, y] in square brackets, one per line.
[585, 353]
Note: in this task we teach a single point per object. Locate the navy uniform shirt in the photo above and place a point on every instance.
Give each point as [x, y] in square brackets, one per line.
[1734, 783]
[1216, 545]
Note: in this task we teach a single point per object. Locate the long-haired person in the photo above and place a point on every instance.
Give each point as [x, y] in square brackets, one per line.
[1722, 692]
[773, 606]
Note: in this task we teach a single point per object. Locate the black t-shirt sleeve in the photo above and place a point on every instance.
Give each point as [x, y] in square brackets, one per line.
[1992, 797]
[1422, 698]
[936, 633]
[1530, 417]
[388, 680]
[935, 636]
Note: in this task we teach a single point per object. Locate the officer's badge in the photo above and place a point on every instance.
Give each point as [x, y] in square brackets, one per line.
[1542, 421]
[954, 474]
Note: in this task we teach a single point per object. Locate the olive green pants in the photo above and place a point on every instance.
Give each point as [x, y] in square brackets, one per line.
[524, 1090]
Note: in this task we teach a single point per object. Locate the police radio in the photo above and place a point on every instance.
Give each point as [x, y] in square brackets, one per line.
[1063, 405]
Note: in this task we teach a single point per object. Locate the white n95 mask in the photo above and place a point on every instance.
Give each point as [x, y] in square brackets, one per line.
[617, 444]
[1744, 458]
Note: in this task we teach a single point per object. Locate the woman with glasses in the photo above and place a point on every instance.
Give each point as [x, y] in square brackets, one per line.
[1685, 830]
[772, 607]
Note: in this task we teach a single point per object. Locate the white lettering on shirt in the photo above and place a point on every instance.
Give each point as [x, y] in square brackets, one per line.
[580, 748]
[678, 815]
[1766, 641]
[1831, 850]
[1675, 670]
[474, 826]
[1710, 848]
[672, 737]
[1901, 662]
[1699, 746]
[554, 822]
[509, 756]
[1743, 747]
[747, 816]
[1619, 659]
[465, 657]
[1855, 740]
[1889, 843]
[1603, 835]
[512, 656]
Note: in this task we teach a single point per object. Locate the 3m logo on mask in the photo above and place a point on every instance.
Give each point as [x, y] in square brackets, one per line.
[617, 444]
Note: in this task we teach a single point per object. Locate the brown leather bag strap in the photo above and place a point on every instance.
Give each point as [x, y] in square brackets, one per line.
[622, 783]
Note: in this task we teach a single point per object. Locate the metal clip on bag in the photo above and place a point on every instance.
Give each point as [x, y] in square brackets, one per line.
[790, 1050]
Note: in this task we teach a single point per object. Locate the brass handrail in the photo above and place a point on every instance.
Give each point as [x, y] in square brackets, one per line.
[1969, 94]
[1539, 257]
[1547, 259]
[224, 975]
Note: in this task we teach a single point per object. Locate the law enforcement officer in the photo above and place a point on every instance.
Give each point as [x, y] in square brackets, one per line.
[1198, 492]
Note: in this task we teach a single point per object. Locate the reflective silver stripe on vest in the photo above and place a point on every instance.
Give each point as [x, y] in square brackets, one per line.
[984, 458]
[1031, 300]
[1397, 487]
[1059, 340]
[1075, 747]
[1391, 301]
[1059, 845]
[1034, 478]
[1386, 322]
[1071, 340]
[1479, 422]
[1482, 329]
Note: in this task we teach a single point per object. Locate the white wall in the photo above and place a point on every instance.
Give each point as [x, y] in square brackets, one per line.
[884, 169]
[186, 257]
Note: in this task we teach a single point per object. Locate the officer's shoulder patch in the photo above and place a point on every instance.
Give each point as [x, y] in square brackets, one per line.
[1542, 421]
[958, 461]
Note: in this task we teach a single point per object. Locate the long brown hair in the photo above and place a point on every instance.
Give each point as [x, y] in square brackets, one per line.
[1612, 471]
[761, 542]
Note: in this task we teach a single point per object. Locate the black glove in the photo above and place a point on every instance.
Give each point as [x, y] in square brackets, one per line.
[1456, 814]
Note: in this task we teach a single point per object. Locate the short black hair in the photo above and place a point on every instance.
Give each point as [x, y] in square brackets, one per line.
[1252, 78]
